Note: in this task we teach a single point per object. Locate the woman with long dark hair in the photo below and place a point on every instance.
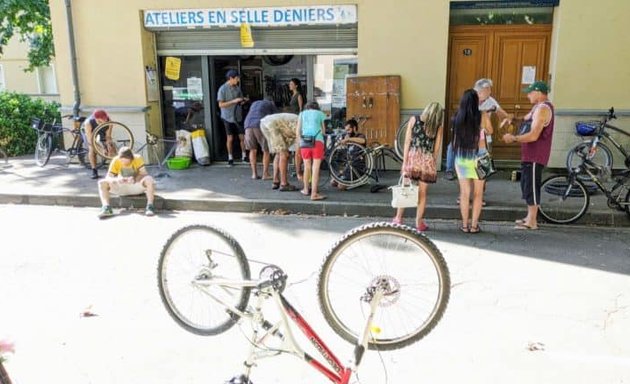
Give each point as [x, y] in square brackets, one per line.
[296, 105]
[469, 129]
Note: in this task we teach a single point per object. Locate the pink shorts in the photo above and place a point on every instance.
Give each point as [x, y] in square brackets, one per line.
[317, 152]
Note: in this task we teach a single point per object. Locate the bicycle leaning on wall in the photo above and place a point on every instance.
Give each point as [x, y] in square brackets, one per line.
[381, 286]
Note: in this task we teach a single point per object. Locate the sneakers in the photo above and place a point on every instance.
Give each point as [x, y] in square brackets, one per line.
[449, 175]
[230, 162]
[150, 210]
[422, 227]
[94, 174]
[106, 211]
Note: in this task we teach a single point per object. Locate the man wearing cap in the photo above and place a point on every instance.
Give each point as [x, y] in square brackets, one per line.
[230, 99]
[98, 117]
[535, 137]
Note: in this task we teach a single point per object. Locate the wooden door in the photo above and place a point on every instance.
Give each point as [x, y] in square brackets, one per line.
[510, 52]
[375, 102]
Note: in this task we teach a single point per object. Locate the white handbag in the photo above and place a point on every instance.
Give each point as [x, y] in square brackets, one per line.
[404, 195]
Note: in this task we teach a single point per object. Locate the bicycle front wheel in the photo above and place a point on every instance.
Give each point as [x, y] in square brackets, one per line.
[43, 149]
[563, 200]
[190, 260]
[406, 262]
[120, 136]
[350, 165]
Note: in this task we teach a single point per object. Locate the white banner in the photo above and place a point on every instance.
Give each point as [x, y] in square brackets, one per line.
[256, 17]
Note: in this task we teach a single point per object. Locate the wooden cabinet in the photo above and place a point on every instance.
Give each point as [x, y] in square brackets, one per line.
[375, 102]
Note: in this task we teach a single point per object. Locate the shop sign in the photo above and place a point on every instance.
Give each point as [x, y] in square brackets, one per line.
[256, 17]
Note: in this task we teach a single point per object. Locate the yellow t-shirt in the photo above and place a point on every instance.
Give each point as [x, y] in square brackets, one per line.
[116, 166]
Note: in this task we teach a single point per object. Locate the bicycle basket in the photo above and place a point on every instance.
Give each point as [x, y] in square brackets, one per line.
[586, 128]
[36, 124]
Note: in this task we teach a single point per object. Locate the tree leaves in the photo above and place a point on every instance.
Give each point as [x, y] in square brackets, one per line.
[30, 20]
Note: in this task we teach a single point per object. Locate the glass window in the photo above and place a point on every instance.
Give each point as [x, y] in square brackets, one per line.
[329, 75]
[498, 16]
[47, 80]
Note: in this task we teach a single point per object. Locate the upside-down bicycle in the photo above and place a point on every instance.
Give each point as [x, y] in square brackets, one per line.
[381, 287]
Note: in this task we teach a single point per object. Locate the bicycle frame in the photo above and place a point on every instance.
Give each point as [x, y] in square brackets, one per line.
[336, 372]
[586, 167]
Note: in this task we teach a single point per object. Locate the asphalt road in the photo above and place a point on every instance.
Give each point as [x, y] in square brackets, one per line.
[547, 306]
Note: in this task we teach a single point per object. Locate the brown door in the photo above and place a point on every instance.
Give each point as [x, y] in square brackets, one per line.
[513, 55]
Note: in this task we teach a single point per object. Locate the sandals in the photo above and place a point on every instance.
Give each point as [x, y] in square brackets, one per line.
[474, 230]
[275, 185]
[288, 188]
[464, 228]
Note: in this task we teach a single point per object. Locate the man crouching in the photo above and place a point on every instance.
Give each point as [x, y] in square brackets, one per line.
[126, 176]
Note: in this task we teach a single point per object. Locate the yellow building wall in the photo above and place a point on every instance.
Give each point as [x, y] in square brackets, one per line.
[14, 61]
[588, 60]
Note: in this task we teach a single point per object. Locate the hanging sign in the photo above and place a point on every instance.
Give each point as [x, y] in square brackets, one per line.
[529, 74]
[173, 67]
[247, 41]
[257, 17]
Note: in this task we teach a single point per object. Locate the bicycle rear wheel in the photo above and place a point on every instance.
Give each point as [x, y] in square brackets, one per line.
[411, 266]
[120, 134]
[350, 165]
[43, 149]
[399, 145]
[192, 257]
[563, 201]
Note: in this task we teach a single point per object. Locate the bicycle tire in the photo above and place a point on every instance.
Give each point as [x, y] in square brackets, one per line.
[399, 145]
[184, 260]
[77, 150]
[627, 208]
[403, 256]
[121, 136]
[351, 165]
[4, 158]
[43, 149]
[560, 204]
[602, 158]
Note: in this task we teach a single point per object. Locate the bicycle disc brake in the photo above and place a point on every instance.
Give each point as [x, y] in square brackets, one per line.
[389, 286]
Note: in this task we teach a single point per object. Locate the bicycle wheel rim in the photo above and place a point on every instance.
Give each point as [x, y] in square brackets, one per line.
[601, 158]
[121, 136]
[408, 260]
[561, 203]
[350, 165]
[184, 264]
[43, 149]
[400, 140]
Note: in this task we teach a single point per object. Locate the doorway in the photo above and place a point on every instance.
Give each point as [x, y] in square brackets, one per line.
[512, 56]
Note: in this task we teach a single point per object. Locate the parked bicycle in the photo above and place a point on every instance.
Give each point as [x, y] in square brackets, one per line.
[593, 148]
[50, 139]
[565, 199]
[398, 291]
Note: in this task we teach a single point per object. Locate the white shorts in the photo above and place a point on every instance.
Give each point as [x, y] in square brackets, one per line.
[127, 189]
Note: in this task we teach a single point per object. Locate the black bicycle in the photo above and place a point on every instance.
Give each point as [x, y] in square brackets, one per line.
[593, 149]
[565, 199]
[50, 138]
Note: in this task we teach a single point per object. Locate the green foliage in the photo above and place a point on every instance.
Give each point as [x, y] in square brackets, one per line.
[30, 20]
[16, 110]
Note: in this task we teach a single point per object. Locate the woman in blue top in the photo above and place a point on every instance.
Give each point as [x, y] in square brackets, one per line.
[311, 124]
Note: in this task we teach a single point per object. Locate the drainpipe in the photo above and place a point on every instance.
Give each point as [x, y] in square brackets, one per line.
[73, 55]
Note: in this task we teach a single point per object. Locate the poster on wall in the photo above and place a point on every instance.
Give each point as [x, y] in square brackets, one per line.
[172, 68]
[529, 74]
[247, 41]
[195, 92]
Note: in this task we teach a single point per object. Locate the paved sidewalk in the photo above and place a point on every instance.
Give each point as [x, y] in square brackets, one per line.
[219, 187]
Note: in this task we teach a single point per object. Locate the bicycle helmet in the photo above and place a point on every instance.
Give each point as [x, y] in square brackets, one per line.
[586, 128]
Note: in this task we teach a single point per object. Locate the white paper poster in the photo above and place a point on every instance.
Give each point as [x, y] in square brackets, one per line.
[195, 91]
[529, 74]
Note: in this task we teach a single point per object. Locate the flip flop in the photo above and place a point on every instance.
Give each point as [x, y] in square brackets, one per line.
[525, 227]
[288, 188]
[256, 178]
[519, 222]
[305, 193]
[474, 230]
[275, 185]
[464, 228]
[318, 197]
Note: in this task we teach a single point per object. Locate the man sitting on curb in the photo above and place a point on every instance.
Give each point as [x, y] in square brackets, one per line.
[352, 135]
[126, 176]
